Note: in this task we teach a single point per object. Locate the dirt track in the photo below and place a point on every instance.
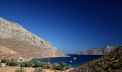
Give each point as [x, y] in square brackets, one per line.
[28, 69]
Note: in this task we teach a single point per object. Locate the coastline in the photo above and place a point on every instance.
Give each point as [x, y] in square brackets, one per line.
[52, 57]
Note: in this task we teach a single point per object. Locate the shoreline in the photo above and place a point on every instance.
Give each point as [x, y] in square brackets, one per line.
[50, 57]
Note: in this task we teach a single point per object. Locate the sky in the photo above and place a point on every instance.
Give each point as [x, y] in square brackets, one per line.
[69, 25]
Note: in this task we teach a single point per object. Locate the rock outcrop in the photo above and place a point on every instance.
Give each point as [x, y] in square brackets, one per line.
[17, 42]
[98, 51]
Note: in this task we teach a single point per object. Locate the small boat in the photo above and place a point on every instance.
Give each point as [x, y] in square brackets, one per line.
[74, 58]
[70, 61]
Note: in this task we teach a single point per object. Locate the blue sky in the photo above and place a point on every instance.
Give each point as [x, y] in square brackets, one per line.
[70, 25]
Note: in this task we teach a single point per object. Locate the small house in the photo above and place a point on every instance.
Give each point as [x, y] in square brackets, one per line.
[2, 64]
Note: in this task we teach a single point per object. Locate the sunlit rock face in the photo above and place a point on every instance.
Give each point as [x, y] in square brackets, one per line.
[20, 43]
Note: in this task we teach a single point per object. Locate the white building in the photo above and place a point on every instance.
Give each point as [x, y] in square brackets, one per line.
[2, 64]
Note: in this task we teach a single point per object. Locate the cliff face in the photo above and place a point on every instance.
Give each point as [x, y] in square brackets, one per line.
[17, 42]
[111, 62]
[98, 51]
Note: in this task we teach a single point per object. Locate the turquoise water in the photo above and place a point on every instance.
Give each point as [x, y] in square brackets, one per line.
[73, 60]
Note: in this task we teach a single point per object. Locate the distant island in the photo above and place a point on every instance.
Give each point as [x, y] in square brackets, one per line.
[98, 51]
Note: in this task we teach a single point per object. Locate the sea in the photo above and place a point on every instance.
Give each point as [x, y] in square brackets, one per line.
[73, 60]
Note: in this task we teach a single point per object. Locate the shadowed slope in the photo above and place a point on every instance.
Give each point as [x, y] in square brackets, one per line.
[108, 63]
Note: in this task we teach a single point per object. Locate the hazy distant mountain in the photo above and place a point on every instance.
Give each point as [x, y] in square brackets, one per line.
[17, 42]
[98, 51]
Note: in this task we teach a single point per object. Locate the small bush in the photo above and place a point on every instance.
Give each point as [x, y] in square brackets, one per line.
[69, 66]
[46, 66]
[10, 62]
[56, 66]
[4, 60]
[63, 66]
[13, 63]
[42, 64]
[38, 64]
[26, 64]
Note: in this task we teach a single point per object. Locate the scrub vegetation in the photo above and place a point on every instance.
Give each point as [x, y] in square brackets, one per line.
[108, 63]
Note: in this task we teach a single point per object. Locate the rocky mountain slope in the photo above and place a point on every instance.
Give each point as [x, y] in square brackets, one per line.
[108, 63]
[98, 51]
[17, 42]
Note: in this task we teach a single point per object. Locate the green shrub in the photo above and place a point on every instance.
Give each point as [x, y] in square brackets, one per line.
[38, 64]
[4, 60]
[63, 66]
[42, 64]
[69, 66]
[20, 70]
[22, 64]
[56, 66]
[26, 64]
[13, 63]
[10, 62]
[46, 66]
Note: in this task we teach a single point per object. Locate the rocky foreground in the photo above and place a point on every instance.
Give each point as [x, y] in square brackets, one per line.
[108, 63]
[18, 43]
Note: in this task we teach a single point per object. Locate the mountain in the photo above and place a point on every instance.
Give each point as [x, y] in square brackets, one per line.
[98, 51]
[111, 62]
[18, 43]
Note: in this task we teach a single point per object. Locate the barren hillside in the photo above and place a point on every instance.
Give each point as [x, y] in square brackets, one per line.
[16, 42]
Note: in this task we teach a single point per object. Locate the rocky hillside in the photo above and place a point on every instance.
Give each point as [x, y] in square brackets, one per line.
[16, 42]
[108, 63]
[98, 51]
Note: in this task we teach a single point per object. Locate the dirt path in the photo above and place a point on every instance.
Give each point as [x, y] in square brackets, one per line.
[68, 70]
[13, 69]
[28, 69]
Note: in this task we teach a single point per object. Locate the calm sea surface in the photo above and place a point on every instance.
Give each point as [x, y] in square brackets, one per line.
[73, 60]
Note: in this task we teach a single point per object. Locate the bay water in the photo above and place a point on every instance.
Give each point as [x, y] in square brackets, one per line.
[73, 60]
